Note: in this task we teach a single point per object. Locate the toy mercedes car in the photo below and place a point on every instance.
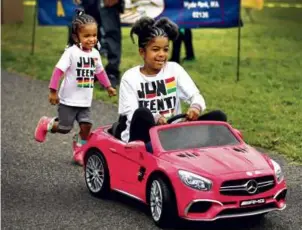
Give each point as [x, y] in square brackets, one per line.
[199, 170]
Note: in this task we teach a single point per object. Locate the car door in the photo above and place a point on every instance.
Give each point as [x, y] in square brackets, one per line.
[130, 164]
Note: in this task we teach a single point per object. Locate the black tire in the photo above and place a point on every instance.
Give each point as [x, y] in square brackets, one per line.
[168, 215]
[93, 178]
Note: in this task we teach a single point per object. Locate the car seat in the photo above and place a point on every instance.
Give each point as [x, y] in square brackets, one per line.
[118, 127]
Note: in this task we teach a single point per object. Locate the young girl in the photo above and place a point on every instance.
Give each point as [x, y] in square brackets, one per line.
[80, 63]
[151, 93]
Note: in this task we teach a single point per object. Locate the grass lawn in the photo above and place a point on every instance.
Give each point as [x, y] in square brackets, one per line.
[266, 104]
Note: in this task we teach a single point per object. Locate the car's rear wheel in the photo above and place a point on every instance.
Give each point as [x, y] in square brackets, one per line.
[162, 203]
[96, 174]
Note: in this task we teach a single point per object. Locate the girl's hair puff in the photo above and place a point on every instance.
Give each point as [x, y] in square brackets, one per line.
[79, 20]
[147, 28]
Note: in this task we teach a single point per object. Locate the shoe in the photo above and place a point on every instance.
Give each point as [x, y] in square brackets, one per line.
[77, 153]
[41, 129]
[174, 60]
[78, 156]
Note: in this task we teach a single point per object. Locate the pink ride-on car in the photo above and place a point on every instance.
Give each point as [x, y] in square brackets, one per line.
[200, 171]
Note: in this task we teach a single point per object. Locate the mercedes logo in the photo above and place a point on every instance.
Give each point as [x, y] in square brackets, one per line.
[251, 186]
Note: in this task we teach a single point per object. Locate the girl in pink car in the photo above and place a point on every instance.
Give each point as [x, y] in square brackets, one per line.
[80, 63]
[152, 92]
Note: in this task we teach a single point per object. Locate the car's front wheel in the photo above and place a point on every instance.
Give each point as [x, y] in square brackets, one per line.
[96, 174]
[162, 203]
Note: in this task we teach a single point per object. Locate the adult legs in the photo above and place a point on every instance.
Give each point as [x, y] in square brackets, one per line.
[177, 48]
[111, 24]
[188, 44]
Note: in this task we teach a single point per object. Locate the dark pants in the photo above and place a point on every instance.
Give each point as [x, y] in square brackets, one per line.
[143, 120]
[185, 37]
[111, 24]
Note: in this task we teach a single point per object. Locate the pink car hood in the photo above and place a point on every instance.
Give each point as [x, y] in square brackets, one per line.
[217, 161]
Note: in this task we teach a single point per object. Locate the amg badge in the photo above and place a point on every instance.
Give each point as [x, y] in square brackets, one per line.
[252, 202]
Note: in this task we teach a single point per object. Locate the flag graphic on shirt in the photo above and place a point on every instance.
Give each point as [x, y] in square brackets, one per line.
[85, 82]
[170, 85]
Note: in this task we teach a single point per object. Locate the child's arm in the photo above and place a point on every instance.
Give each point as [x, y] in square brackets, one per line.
[57, 74]
[53, 86]
[61, 67]
[103, 79]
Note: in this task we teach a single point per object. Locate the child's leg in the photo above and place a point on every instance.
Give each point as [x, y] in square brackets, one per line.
[85, 129]
[215, 115]
[85, 123]
[142, 121]
[66, 117]
[83, 118]
[62, 124]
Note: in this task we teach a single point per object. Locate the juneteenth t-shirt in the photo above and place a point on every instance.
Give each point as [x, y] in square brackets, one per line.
[79, 67]
[160, 93]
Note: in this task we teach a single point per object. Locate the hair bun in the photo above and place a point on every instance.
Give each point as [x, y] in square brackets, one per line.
[168, 26]
[141, 26]
[145, 22]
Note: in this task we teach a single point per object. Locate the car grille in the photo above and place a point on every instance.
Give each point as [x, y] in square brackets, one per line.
[247, 187]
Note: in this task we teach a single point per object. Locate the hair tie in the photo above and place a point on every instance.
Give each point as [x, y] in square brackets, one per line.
[79, 12]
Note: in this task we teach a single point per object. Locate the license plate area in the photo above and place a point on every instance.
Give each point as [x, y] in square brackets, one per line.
[252, 202]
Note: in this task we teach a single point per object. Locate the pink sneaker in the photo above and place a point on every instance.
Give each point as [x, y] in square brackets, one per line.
[41, 129]
[78, 156]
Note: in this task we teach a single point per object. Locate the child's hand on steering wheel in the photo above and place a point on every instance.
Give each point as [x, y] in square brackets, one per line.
[192, 114]
[162, 121]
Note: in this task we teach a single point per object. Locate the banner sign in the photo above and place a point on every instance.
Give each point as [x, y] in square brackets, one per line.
[187, 14]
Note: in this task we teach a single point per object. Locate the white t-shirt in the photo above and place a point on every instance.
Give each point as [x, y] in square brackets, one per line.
[79, 68]
[160, 93]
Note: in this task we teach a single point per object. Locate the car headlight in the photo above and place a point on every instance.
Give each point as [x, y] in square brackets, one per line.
[278, 171]
[195, 181]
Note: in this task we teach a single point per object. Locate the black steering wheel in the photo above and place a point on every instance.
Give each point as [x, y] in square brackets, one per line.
[176, 117]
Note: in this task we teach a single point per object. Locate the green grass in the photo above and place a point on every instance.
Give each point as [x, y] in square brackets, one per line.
[266, 104]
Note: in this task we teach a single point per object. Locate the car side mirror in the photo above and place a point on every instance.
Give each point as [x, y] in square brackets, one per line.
[238, 133]
[136, 145]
